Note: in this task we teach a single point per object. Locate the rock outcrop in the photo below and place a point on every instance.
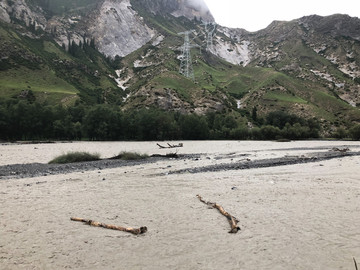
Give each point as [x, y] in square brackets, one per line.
[21, 11]
[118, 29]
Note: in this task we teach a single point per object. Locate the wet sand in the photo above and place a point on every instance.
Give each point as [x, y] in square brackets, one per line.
[302, 216]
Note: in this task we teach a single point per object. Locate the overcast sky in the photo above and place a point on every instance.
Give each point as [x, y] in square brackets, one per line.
[254, 15]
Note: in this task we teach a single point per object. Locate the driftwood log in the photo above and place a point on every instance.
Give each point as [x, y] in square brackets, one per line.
[90, 222]
[170, 145]
[356, 267]
[232, 220]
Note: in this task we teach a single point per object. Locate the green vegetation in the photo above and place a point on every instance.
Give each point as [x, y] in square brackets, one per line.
[352, 133]
[75, 157]
[355, 132]
[27, 120]
[180, 84]
[55, 74]
[284, 97]
[45, 85]
[68, 92]
[130, 156]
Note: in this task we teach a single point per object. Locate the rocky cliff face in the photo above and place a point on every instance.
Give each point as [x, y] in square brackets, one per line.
[242, 47]
[20, 10]
[314, 48]
[272, 68]
[118, 29]
[114, 25]
[234, 46]
[4, 12]
[335, 26]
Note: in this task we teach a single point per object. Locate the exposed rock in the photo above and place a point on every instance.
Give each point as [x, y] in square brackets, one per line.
[65, 30]
[335, 25]
[321, 50]
[20, 10]
[118, 29]
[4, 13]
[234, 51]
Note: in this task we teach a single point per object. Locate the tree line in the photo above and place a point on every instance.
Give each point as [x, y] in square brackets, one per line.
[25, 120]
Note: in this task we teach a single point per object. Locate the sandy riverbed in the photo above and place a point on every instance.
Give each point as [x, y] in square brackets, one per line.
[304, 216]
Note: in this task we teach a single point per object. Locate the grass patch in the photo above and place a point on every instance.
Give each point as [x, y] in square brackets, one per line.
[183, 86]
[285, 97]
[130, 156]
[37, 80]
[52, 48]
[75, 157]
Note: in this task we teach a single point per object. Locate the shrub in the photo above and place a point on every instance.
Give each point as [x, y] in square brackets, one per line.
[280, 118]
[355, 132]
[256, 134]
[270, 132]
[130, 156]
[240, 133]
[194, 127]
[75, 157]
[340, 133]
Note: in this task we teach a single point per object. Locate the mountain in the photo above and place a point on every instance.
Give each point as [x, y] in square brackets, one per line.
[129, 53]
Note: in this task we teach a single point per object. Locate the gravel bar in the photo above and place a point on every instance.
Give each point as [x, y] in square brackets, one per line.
[264, 163]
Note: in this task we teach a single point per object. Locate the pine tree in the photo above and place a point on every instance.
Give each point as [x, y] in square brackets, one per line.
[92, 43]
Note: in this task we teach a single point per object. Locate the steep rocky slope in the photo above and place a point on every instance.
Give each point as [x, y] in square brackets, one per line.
[308, 66]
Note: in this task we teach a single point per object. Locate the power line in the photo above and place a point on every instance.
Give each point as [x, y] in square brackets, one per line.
[186, 67]
[209, 29]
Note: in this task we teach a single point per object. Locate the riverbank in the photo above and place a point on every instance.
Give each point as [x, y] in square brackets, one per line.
[38, 169]
[295, 216]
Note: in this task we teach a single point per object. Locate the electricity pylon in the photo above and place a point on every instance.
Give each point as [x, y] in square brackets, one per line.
[186, 67]
[209, 29]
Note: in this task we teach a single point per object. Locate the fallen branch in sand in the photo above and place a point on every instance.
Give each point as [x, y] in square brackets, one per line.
[170, 145]
[90, 222]
[356, 267]
[232, 220]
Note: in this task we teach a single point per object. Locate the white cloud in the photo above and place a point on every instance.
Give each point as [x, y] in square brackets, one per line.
[257, 14]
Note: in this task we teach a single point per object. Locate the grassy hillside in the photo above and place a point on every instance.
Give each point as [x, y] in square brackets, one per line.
[34, 66]
[267, 89]
[53, 74]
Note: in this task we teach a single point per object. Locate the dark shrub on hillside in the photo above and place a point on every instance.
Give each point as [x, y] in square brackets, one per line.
[341, 133]
[240, 133]
[270, 132]
[194, 127]
[280, 118]
[355, 132]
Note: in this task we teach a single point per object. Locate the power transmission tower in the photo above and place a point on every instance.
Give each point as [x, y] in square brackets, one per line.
[209, 29]
[186, 67]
